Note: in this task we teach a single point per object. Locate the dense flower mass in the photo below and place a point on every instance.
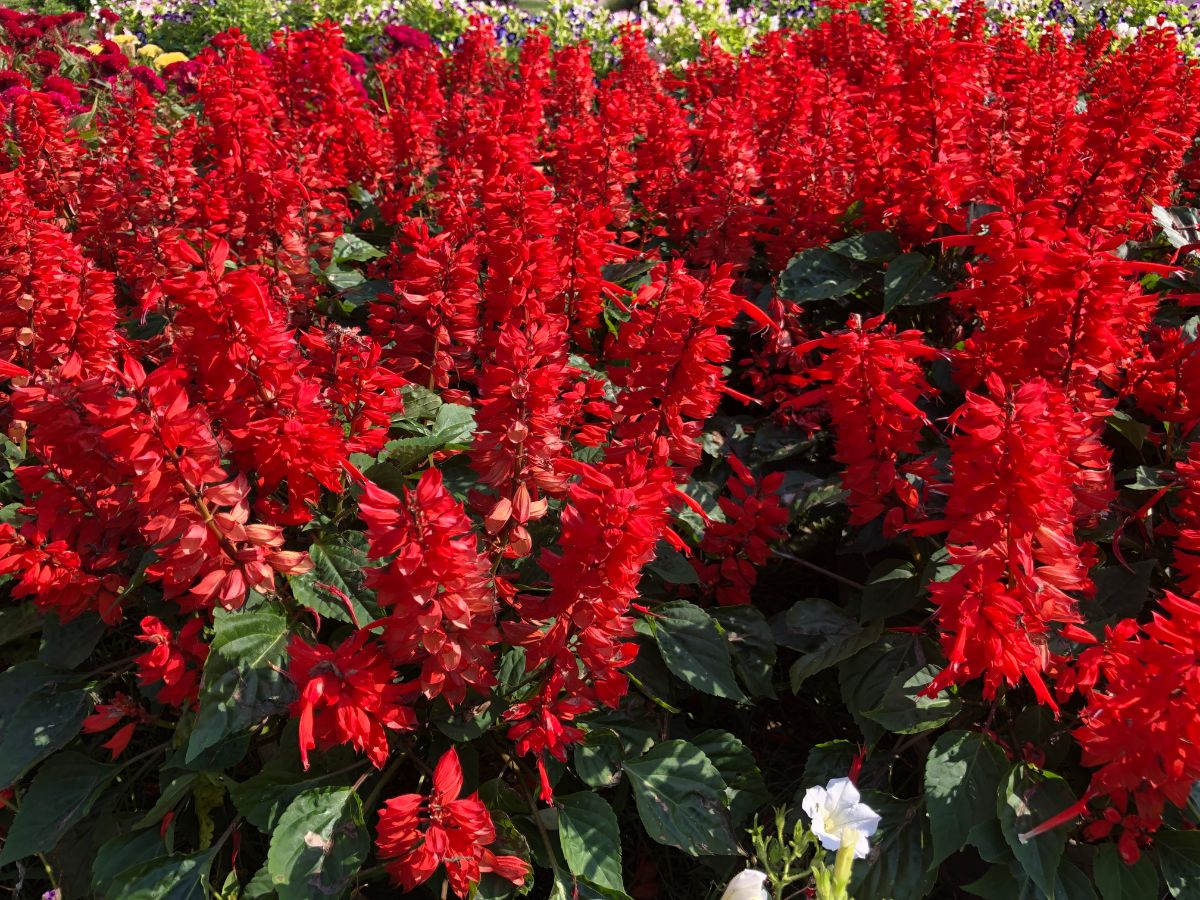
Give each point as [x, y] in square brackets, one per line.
[504, 426]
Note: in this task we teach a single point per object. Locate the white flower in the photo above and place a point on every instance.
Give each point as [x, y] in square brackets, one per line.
[838, 816]
[747, 885]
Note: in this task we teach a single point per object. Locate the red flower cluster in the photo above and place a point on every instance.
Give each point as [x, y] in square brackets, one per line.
[873, 384]
[1023, 462]
[418, 833]
[347, 696]
[755, 518]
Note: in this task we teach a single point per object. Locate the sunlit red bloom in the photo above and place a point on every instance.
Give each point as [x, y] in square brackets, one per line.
[347, 695]
[417, 833]
[174, 662]
[872, 382]
[435, 585]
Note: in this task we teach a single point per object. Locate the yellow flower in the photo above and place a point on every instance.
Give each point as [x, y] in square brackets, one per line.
[149, 51]
[94, 48]
[165, 59]
[125, 41]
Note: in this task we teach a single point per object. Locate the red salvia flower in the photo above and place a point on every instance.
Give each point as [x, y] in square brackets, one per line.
[418, 833]
[347, 695]
[174, 662]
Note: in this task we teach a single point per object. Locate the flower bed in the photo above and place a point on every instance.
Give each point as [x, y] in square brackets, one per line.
[464, 471]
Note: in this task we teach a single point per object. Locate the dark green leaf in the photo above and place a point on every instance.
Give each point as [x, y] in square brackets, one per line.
[694, 649]
[241, 684]
[866, 676]
[904, 708]
[67, 646]
[263, 797]
[871, 246]
[910, 280]
[45, 720]
[892, 588]
[818, 274]
[166, 878]
[178, 788]
[832, 652]
[681, 798]
[1029, 798]
[318, 845]
[339, 563]
[746, 790]
[1129, 428]
[590, 838]
[1117, 881]
[672, 566]
[598, 758]
[122, 853]
[810, 623]
[752, 645]
[1120, 592]
[900, 862]
[963, 774]
[1179, 859]
[61, 794]
[826, 762]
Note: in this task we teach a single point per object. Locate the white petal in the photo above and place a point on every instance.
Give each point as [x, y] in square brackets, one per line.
[747, 885]
[862, 846]
[842, 792]
[814, 799]
[860, 817]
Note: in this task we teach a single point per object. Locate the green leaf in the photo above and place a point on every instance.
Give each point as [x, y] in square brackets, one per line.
[38, 721]
[1029, 798]
[1129, 428]
[351, 248]
[672, 566]
[1001, 882]
[826, 761]
[892, 588]
[866, 676]
[174, 877]
[833, 652]
[178, 788]
[810, 623]
[900, 864]
[263, 797]
[598, 758]
[694, 649]
[911, 280]
[870, 246]
[1121, 592]
[122, 853]
[454, 423]
[1179, 859]
[318, 845]
[61, 794]
[904, 709]
[1117, 881]
[818, 274]
[339, 563]
[963, 774]
[746, 790]
[241, 684]
[752, 645]
[67, 646]
[590, 838]
[681, 799]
